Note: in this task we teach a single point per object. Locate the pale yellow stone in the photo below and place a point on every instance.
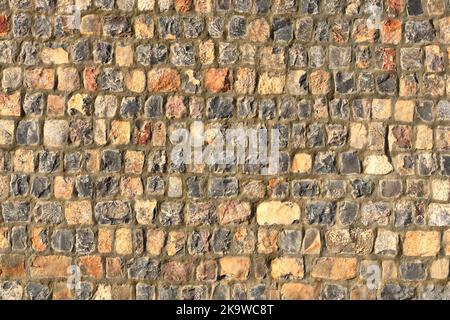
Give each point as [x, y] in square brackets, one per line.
[421, 243]
[377, 164]
[24, 161]
[124, 55]
[100, 132]
[287, 267]
[446, 242]
[124, 241]
[302, 163]
[389, 270]
[271, 83]
[6, 132]
[77, 103]
[120, 132]
[439, 269]
[103, 292]
[424, 137]
[235, 267]
[145, 211]
[206, 52]
[54, 56]
[277, 212]
[381, 109]
[404, 110]
[358, 135]
[135, 80]
[440, 189]
[78, 212]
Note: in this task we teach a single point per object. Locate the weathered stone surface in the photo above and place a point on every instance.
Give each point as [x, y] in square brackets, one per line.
[236, 268]
[334, 268]
[277, 212]
[421, 243]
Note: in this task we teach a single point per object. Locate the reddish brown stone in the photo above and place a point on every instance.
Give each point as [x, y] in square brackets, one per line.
[177, 271]
[175, 107]
[90, 78]
[3, 25]
[91, 266]
[12, 266]
[163, 80]
[50, 266]
[233, 211]
[183, 5]
[217, 79]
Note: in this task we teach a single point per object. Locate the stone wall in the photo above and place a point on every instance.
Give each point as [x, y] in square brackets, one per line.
[95, 205]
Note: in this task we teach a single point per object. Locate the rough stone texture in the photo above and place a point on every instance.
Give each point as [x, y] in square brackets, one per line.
[91, 177]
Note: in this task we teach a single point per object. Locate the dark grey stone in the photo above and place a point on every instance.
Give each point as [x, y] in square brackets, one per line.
[223, 187]
[334, 292]
[143, 269]
[20, 185]
[348, 212]
[153, 106]
[62, 240]
[83, 186]
[345, 82]
[182, 54]
[350, 163]
[361, 188]
[37, 291]
[237, 27]
[113, 212]
[220, 107]
[107, 186]
[419, 31]
[33, 104]
[168, 292]
[304, 188]
[130, 107]
[414, 7]
[216, 26]
[397, 292]
[155, 185]
[267, 109]
[325, 162]
[228, 53]
[72, 161]
[84, 291]
[85, 241]
[195, 187]
[111, 161]
[221, 241]
[41, 187]
[110, 79]
[21, 25]
[321, 212]
[413, 270]
[193, 27]
[19, 238]
[27, 132]
[145, 291]
[171, 213]
[169, 27]
[116, 26]
[49, 161]
[81, 51]
[290, 241]
[282, 29]
[198, 241]
[48, 212]
[42, 27]
[103, 52]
